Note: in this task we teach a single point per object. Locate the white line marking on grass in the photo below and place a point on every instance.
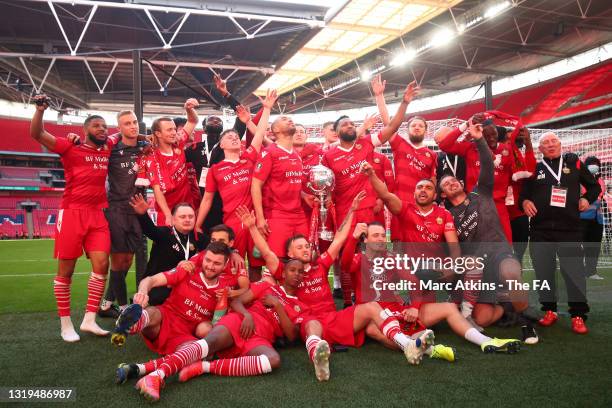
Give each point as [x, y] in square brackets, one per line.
[39, 274]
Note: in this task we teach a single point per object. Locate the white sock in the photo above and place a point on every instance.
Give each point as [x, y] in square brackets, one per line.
[337, 284]
[206, 366]
[159, 373]
[466, 308]
[66, 323]
[141, 369]
[402, 340]
[474, 336]
[204, 345]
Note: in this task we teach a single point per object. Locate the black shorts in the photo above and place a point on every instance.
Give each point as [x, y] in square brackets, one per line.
[125, 231]
[492, 276]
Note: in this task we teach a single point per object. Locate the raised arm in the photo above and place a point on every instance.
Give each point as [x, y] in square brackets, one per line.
[389, 130]
[248, 220]
[192, 116]
[343, 231]
[487, 167]
[262, 126]
[393, 203]
[378, 89]
[37, 129]
[221, 85]
[149, 229]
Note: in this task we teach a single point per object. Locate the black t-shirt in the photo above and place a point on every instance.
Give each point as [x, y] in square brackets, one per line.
[122, 173]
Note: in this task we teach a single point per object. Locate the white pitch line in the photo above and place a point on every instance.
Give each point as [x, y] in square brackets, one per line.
[39, 274]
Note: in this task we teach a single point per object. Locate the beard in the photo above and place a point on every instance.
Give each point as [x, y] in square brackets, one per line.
[348, 137]
[416, 138]
[96, 141]
[214, 129]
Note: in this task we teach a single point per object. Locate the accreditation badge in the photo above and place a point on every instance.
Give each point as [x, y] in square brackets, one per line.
[558, 196]
[203, 175]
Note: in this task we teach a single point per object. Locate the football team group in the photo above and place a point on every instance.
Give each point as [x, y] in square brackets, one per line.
[237, 263]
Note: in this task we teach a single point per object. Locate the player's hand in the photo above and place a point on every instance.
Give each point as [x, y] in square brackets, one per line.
[378, 207]
[141, 299]
[187, 266]
[475, 130]
[246, 217]
[309, 199]
[270, 100]
[139, 204]
[191, 103]
[45, 105]
[243, 114]
[219, 293]
[236, 261]
[73, 138]
[369, 121]
[378, 85]
[367, 169]
[168, 219]
[357, 200]
[262, 226]
[247, 327]
[199, 230]
[529, 208]
[411, 91]
[360, 228]
[221, 85]
[270, 301]
[410, 314]
[583, 204]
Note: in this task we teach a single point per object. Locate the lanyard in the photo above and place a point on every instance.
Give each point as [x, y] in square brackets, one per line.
[557, 176]
[208, 152]
[453, 168]
[186, 247]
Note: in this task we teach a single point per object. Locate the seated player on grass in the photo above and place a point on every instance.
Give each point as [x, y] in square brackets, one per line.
[325, 325]
[242, 339]
[186, 313]
[426, 315]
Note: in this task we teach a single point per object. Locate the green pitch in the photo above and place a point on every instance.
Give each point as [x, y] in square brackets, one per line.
[563, 370]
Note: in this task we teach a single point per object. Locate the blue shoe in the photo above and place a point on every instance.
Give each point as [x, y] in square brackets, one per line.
[126, 320]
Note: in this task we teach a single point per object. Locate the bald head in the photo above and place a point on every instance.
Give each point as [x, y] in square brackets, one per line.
[550, 145]
[282, 127]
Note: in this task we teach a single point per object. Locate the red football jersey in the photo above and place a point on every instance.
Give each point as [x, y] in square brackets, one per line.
[281, 172]
[412, 164]
[346, 165]
[191, 297]
[311, 156]
[233, 182]
[363, 278]
[85, 171]
[384, 170]
[429, 227]
[232, 273]
[293, 307]
[314, 290]
[171, 173]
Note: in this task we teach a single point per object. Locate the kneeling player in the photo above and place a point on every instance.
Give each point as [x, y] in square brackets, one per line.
[242, 339]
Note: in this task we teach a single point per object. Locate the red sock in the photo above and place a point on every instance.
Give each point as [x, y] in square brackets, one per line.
[193, 352]
[61, 290]
[153, 365]
[95, 290]
[140, 324]
[347, 287]
[311, 344]
[241, 366]
[471, 279]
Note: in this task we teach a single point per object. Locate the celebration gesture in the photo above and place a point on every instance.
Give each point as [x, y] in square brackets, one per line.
[191, 103]
[243, 114]
[41, 101]
[139, 204]
[270, 99]
[221, 85]
[246, 217]
[378, 85]
[411, 91]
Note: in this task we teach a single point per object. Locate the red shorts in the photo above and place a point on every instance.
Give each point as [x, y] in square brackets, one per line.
[173, 332]
[504, 219]
[263, 336]
[81, 229]
[396, 228]
[243, 242]
[281, 229]
[337, 327]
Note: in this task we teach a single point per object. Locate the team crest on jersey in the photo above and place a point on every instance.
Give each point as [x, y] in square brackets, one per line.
[296, 308]
[358, 146]
[439, 220]
[377, 160]
[259, 166]
[427, 154]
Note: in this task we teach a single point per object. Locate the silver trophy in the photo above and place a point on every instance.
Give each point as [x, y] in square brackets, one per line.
[321, 182]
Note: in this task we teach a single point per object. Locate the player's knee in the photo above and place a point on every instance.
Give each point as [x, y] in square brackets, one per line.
[274, 359]
[510, 269]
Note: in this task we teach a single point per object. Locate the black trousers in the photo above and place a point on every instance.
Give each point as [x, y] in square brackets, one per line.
[520, 236]
[545, 247]
[592, 233]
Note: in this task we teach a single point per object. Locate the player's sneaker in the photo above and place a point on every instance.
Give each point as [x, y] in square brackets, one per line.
[125, 372]
[529, 335]
[578, 325]
[414, 352]
[112, 312]
[321, 360]
[509, 346]
[442, 352]
[596, 276]
[127, 319]
[150, 386]
[549, 318]
[190, 371]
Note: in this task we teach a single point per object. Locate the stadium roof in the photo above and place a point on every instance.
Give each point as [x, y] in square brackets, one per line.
[317, 52]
